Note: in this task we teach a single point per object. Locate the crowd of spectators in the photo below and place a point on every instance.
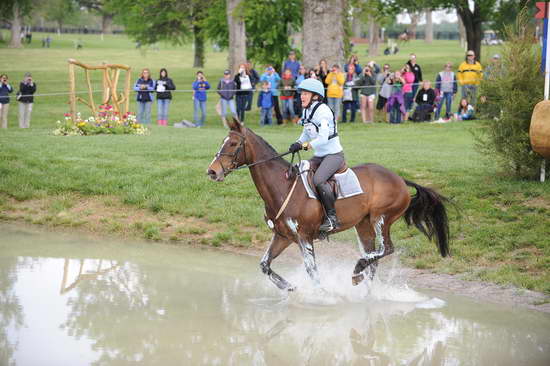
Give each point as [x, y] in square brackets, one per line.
[398, 94]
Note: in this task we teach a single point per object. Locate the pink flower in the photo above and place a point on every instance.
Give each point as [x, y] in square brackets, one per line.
[67, 114]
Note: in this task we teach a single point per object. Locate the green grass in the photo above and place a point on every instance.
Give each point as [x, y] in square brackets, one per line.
[502, 234]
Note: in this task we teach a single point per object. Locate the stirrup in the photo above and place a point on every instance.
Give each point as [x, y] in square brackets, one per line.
[329, 224]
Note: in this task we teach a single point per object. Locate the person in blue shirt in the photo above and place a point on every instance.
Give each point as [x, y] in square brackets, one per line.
[271, 76]
[265, 103]
[292, 64]
[320, 133]
[144, 88]
[5, 90]
[200, 86]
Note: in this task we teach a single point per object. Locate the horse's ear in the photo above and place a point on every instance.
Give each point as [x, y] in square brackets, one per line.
[235, 125]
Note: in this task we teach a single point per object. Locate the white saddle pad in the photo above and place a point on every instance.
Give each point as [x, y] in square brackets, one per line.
[348, 183]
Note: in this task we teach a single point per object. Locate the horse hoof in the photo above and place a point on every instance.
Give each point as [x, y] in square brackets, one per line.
[356, 279]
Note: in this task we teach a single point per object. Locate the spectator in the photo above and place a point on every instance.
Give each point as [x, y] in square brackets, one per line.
[408, 77]
[425, 100]
[446, 88]
[255, 79]
[227, 89]
[144, 88]
[494, 69]
[374, 67]
[5, 90]
[265, 103]
[26, 99]
[200, 86]
[302, 75]
[367, 82]
[351, 94]
[321, 71]
[469, 76]
[48, 41]
[287, 85]
[396, 102]
[335, 81]
[243, 80]
[353, 60]
[273, 77]
[465, 110]
[382, 79]
[163, 86]
[312, 74]
[292, 64]
[417, 71]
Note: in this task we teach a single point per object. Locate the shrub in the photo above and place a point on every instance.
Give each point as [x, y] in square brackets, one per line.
[512, 89]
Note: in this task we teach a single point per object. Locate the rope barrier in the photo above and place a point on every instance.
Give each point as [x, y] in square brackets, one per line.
[211, 90]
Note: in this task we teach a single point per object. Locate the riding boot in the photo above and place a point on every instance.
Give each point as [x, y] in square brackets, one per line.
[326, 196]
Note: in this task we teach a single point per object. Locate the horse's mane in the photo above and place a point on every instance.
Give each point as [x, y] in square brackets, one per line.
[269, 149]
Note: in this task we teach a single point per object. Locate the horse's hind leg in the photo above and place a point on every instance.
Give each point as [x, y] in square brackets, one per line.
[276, 247]
[371, 233]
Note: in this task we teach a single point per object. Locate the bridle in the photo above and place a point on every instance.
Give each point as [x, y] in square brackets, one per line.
[234, 156]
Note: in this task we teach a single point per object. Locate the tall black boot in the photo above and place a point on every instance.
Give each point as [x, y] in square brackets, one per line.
[326, 196]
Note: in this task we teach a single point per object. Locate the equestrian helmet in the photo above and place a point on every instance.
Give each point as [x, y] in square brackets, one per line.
[313, 86]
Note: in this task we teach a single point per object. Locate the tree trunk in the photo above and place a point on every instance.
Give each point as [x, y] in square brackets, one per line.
[15, 40]
[199, 47]
[356, 27]
[323, 30]
[461, 32]
[237, 35]
[411, 29]
[472, 24]
[106, 23]
[374, 37]
[429, 33]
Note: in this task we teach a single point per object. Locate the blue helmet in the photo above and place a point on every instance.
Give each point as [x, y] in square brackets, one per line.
[312, 85]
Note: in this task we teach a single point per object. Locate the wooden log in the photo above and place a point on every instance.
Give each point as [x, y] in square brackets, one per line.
[127, 90]
[72, 92]
[90, 93]
[539, 131]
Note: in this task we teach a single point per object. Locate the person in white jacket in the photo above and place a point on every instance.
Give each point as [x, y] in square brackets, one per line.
[320, 133]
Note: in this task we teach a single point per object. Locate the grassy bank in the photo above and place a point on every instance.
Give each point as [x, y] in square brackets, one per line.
[155, 186]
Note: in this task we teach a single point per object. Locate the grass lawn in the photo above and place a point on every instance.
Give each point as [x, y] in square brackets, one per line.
[155, 186]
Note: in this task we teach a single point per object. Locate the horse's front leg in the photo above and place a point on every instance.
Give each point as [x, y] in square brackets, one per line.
[309, 260]
[276, 247]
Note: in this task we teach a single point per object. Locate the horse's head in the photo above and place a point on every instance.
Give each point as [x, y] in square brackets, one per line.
[231, 154]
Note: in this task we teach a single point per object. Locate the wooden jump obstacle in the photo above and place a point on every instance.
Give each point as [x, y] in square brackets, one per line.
[111, 75]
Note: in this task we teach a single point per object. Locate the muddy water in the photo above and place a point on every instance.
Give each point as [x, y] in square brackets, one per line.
[67, 300]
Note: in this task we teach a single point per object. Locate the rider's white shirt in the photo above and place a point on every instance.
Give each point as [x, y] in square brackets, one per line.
[319, 140]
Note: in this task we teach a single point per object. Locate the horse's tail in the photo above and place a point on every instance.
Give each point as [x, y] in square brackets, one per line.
[427, 212]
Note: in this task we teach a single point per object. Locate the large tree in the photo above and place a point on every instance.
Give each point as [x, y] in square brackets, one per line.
[13, 13]
[267, 41]
[61, 12]
[323, 31]
[104, 9]
[151, 21]
[237, 33]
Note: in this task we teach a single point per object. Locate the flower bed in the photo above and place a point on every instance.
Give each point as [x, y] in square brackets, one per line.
[107, 122]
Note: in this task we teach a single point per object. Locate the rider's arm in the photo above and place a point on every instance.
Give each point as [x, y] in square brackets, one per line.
[304, 137]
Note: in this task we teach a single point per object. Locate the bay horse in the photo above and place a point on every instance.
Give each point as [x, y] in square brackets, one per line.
[293, 217]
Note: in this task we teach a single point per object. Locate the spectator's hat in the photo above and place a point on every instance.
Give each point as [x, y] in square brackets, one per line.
[496, 56]
[227, 72]
[27, 75]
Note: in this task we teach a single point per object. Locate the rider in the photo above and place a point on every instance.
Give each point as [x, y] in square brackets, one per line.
[320, 133]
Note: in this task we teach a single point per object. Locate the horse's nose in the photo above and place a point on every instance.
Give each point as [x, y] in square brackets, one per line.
[211, 173]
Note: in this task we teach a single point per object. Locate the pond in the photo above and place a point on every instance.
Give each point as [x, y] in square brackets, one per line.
[67, 299]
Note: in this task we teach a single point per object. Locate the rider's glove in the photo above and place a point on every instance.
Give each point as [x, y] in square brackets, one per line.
[295, 147]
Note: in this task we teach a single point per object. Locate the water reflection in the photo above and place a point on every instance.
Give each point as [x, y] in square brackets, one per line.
[164, 305]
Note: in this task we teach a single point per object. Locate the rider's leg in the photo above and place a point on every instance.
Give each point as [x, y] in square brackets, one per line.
[330, 165]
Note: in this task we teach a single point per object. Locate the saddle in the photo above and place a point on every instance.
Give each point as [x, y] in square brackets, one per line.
[344, 182]
[313, 166]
